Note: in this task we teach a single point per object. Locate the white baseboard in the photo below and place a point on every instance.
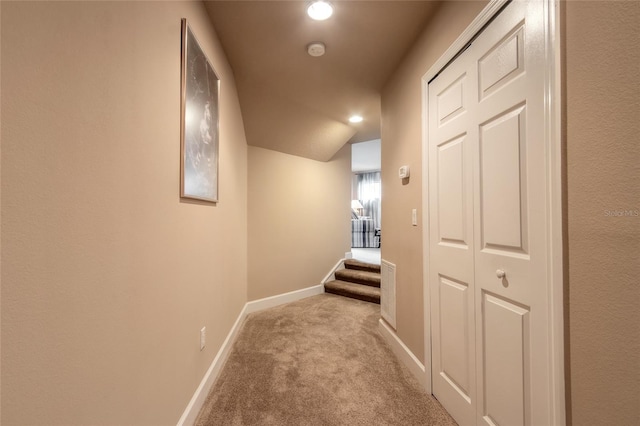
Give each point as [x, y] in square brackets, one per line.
[330, 275]
[403, 353]
[190, 413]
[281, 299]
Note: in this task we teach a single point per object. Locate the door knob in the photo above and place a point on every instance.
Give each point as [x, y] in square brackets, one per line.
[500, 273]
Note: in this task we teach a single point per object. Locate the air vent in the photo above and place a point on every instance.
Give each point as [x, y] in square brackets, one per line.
[388, 292]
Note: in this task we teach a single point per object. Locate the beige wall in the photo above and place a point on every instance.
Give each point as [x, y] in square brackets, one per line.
[107, 277]
[603, 157]
[0, 219]
[299, 219]
[401, 145]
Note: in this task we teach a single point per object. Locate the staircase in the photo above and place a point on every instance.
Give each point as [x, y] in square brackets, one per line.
[359, 280]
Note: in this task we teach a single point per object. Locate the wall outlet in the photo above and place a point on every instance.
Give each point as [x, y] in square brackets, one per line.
[203, 337]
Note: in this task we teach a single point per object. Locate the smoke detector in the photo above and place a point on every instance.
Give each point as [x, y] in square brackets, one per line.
[316, 49]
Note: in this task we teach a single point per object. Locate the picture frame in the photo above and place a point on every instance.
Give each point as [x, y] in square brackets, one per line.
[199, 121]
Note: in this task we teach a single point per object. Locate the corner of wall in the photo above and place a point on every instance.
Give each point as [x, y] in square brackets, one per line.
[298, 219]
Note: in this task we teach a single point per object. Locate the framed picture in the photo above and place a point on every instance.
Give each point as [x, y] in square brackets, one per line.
[199, 135]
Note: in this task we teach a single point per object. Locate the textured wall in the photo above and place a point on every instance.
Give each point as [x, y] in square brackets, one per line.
[402, 145]
[299, 219]
[107, 277]
[603, 157]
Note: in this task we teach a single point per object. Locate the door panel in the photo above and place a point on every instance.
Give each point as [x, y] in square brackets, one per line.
[506, 361]
[502, 63]
[450, 102]
[509, 224]
[451, 193]
[455, 334]
[503, 182]
[451, 248]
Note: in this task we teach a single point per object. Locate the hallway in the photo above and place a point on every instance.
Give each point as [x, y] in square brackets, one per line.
[317, 361]
[119, 296]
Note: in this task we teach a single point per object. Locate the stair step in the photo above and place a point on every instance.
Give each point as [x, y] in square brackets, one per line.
[355, 291]
[358, 276]
[361, 266]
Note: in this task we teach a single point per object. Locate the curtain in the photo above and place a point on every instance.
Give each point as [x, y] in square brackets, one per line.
[369, 193]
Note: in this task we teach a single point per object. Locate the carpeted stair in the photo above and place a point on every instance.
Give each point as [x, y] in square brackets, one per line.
[359, 280]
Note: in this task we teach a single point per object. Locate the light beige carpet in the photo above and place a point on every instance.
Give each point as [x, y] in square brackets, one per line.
[317, 361]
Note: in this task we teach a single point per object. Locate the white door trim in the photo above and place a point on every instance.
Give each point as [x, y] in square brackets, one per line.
[553, 144]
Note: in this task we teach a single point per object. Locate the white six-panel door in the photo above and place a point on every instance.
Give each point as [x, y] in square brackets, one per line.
[488, 218]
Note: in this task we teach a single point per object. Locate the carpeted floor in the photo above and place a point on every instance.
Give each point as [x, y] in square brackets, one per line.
[317, 361]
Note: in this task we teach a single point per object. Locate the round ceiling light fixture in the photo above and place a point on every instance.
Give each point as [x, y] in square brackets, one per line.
[320, 10]
[316, 49]
[355, 119]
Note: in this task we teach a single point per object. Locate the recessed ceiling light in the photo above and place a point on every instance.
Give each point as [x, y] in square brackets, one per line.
[355, 119]
[320, 10]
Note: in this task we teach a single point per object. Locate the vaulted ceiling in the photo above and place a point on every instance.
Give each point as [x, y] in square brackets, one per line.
[299, 104]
